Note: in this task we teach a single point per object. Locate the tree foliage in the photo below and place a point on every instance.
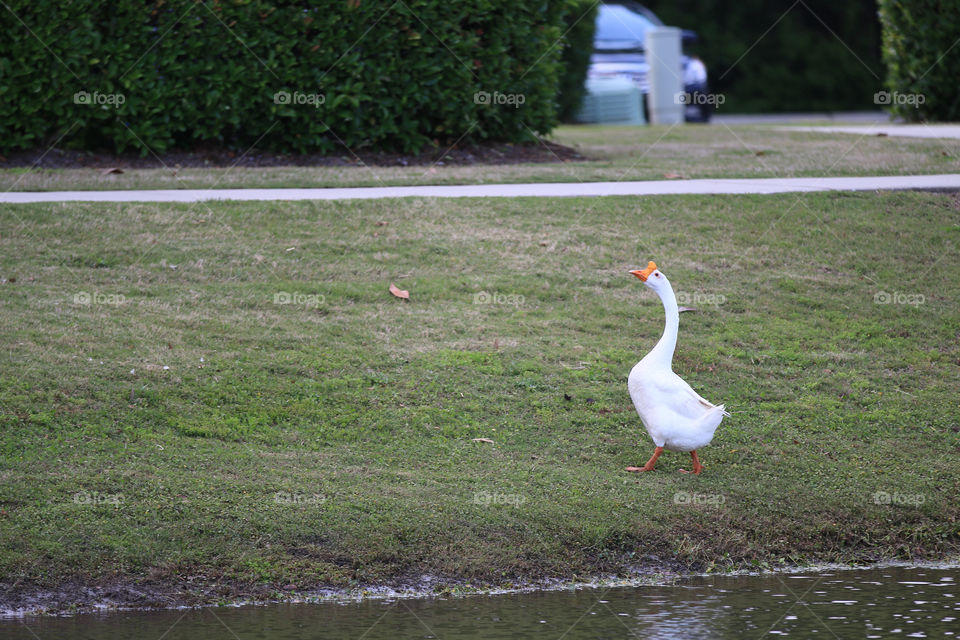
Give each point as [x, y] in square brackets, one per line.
[811, 55]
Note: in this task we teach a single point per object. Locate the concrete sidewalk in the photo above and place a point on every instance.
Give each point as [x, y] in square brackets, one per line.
[802, 117]
[570, 189]
[903, 130]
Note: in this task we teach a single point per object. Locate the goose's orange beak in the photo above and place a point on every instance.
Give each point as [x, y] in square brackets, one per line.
[645, 273]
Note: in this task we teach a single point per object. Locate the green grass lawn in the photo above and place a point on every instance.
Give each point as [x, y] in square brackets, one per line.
[616, 153]
[163, 418]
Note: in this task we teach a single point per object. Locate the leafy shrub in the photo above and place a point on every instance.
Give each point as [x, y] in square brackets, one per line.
[581, 23]
[923, 61]
[291, 77]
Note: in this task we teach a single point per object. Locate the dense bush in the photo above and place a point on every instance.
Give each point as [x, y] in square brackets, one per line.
[581, 23]
[299, 77]
[816, 55]
[923, 61]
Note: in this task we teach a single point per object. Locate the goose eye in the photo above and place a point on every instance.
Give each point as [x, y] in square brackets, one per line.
[658, 275]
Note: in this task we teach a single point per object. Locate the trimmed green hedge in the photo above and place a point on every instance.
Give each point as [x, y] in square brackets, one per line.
[291, 77]
[923, 58]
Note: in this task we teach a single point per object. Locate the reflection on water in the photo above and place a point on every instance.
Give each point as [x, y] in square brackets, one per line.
[892, 602]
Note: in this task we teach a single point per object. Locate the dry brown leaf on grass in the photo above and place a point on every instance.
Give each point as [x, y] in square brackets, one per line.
[672, 176]
[400, 293]
[111, 170]
[488, 440]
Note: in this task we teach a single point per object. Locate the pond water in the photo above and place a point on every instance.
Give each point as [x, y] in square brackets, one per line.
[892, 602]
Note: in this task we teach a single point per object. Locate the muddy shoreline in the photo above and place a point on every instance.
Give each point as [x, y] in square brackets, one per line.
[19, 601]
[26, 599]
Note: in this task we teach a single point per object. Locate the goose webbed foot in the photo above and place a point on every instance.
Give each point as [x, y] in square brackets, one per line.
[697, 467]
[649, 466]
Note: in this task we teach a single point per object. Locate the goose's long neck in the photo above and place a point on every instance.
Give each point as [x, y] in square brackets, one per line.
[663, 351]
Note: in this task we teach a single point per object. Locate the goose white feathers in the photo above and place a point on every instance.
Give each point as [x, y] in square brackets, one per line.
[676, 417]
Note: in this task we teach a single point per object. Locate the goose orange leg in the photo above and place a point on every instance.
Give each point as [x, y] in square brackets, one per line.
[649, 466]
[697, 467]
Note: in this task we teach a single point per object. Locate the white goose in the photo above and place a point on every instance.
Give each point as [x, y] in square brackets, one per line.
[675, 416]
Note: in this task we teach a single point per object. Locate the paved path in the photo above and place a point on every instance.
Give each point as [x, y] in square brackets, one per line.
[840, 117]
[639, 188]
[908, 130]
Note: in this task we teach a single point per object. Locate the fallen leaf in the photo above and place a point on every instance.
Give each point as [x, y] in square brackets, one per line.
[682, 309]
[487, 440]
[400, 293]
[382, 223]
[760, 153]
[672, 176]
[111, 170]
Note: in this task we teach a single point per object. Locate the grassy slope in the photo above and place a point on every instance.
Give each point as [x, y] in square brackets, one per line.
[621, 153]
[362, 409]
